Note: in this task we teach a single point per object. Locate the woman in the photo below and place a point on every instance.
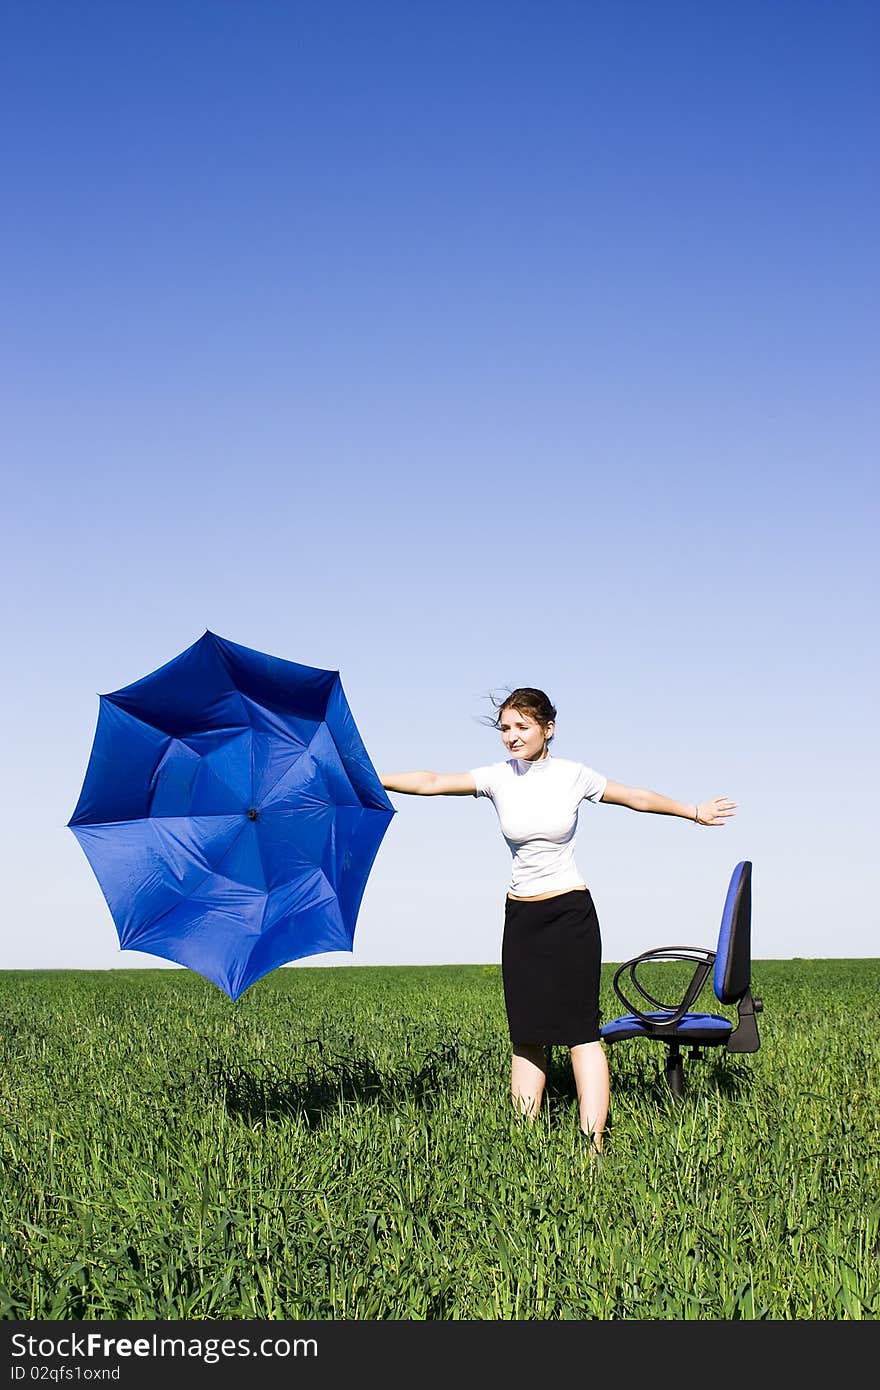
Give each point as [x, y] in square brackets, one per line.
[551, 949]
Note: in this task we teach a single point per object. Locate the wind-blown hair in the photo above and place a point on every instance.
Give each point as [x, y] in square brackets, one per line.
[528, 700]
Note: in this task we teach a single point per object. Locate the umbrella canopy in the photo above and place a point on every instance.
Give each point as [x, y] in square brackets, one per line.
[230, 812]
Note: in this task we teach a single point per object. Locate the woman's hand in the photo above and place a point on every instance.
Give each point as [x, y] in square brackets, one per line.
[715, 812]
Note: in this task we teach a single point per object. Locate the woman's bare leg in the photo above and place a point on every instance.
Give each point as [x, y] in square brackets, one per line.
[528, 1074]
[590, 1067]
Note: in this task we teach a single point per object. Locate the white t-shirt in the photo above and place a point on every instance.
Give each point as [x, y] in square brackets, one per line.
[537, 805]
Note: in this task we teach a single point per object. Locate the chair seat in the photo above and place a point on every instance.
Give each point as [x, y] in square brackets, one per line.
[695, 1028]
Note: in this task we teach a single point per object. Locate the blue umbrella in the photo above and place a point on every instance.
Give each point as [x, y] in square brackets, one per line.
[230, 812]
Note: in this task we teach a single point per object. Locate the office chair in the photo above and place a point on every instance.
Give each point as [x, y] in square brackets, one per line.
[676, 1025]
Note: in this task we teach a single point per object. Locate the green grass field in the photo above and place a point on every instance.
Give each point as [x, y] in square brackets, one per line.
[339, 1144]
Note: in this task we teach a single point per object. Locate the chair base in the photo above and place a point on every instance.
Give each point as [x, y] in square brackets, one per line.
[675, 1072]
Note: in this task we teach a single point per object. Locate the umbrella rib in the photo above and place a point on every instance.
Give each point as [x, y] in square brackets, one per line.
[357, 800]
[157, 729]
[234, 688]
[277, 783]
[221, 781]
[307, 748]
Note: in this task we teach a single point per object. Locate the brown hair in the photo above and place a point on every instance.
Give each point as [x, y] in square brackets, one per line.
[527, 700]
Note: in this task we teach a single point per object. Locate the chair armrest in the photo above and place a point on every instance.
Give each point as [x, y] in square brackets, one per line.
[703, 958]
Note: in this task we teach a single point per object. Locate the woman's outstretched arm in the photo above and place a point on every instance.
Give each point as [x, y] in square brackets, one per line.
[714, 812]
[429, 783]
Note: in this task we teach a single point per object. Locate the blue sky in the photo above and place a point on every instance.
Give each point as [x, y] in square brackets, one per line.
[456, 346]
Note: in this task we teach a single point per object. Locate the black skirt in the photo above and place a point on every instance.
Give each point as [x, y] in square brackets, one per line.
[551, 955]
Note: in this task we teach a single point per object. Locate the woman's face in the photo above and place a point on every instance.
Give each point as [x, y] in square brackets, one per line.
[523, 736]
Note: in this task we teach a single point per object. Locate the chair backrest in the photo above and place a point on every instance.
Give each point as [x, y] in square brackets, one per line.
[733, 958]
